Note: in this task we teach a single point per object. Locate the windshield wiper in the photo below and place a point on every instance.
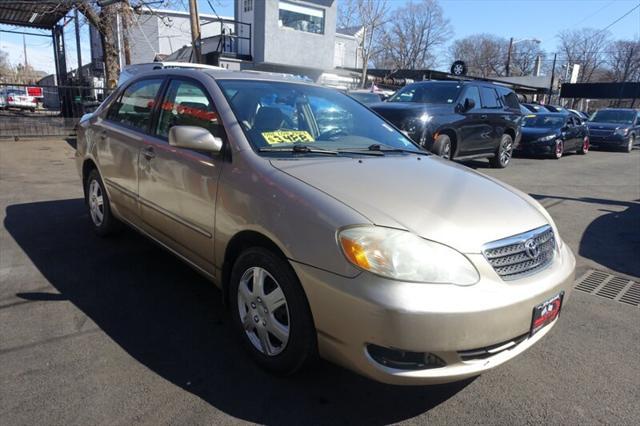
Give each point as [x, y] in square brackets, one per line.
[299, 149]
[379, 148]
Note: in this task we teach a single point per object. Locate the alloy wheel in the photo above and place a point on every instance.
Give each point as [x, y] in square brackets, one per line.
[263, 311]
[559, 149]
[585, 145]
[506, 151]
[446, 151]
[96, 203]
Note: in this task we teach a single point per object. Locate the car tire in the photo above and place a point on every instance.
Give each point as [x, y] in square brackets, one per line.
[558, 150]
[271, 313]
[629, 147]
[97, 201]
[442, 147]
[503, 154]
[584, 148]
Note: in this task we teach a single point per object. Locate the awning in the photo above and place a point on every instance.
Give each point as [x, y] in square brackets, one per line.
[43, 14]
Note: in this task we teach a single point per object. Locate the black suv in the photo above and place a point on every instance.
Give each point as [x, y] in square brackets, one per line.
[457, 119]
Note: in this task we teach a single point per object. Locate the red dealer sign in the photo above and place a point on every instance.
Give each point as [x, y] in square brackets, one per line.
[34, 91]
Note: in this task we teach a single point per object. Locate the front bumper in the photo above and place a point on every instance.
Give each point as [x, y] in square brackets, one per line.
[535, 148]
[444, 320]
[609, 140]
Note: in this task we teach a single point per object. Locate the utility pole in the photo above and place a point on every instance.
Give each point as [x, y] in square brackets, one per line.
[24, 46]
[507, 68]
[553, 73]
[77, 25]
[195, 30]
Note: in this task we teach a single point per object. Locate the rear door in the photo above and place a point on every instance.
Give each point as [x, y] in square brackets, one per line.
[572, 134]
[119, 135]
[178, 186]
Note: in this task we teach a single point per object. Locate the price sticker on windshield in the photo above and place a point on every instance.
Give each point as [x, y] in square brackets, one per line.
[287, 136]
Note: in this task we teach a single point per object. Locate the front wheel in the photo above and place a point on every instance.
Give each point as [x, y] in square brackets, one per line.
[629, 146]
[584, 148]
[503, 153]
[271, 313]
[558, 150]
[442, 147]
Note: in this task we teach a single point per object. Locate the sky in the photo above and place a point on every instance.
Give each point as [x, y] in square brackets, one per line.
[521, 19]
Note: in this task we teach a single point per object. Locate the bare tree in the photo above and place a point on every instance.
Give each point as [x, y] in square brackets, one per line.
[623, 60]
[585, 47]
[484, 54]
[523, 57]
[371, 16]
[413, 33]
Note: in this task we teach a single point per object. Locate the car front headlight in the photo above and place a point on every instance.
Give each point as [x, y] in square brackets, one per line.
[623, 131]
[403, 256]
[415, 124]
[546, 138]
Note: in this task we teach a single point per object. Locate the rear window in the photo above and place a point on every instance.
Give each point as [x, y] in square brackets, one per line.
[509, 98]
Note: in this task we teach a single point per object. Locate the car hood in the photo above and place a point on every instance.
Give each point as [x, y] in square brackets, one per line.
[433, 198]
[606, 126]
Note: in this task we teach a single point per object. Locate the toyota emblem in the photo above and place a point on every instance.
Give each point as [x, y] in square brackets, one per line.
[531, 248]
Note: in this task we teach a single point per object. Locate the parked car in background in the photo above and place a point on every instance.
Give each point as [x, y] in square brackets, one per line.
[553, 134]
[366, 96]
[580, 114]
[131, 71]
[457, 120]
[557, 108]
[615, 128]
[534, 108]
[347, 241]
[17, 98]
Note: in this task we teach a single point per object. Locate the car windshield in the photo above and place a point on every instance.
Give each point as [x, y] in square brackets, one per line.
[613, 116]
[280, 115]
[428, 93]
[542, 121]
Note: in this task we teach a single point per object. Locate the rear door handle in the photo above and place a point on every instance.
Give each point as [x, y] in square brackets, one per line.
[148, 153]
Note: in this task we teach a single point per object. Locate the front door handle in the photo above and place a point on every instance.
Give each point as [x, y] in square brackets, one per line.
[148, 153]
[483, 117]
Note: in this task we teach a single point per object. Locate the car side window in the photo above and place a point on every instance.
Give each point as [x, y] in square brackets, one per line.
[489, 98]
[509, 99]
[474, 94]
[133, 109]
[186, 103]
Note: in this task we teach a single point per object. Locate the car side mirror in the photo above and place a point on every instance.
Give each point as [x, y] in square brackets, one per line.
[194, 137]
[468, 105]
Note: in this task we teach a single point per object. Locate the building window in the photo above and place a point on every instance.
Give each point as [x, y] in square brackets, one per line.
[301, 18]
[248, 5]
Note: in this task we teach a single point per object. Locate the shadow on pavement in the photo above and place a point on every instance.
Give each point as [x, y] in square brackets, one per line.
[172, 321]
[613, 239]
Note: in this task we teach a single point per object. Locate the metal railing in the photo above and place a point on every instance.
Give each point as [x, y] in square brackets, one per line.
[47, 110]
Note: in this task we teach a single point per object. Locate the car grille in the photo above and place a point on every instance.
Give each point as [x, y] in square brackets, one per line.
[523, 254]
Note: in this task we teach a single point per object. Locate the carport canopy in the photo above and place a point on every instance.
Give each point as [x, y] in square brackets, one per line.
[42, 14]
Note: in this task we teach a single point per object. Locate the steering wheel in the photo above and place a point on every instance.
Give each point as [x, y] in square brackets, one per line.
[332, 134]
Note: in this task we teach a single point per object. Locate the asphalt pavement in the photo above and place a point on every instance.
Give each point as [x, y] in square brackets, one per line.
[117, 331]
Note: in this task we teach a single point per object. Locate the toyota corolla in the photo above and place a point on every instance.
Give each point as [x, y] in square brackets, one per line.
[327, 230]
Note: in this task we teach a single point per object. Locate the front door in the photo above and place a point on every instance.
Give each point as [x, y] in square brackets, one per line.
[178, 186]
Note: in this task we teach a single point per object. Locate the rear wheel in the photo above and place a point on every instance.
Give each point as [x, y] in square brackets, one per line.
[442, 147]
[584, 148]
[503, 153]
[97, 200]
[271, 313]
[558, 150]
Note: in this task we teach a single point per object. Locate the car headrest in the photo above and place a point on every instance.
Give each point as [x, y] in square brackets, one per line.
[268, 118]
